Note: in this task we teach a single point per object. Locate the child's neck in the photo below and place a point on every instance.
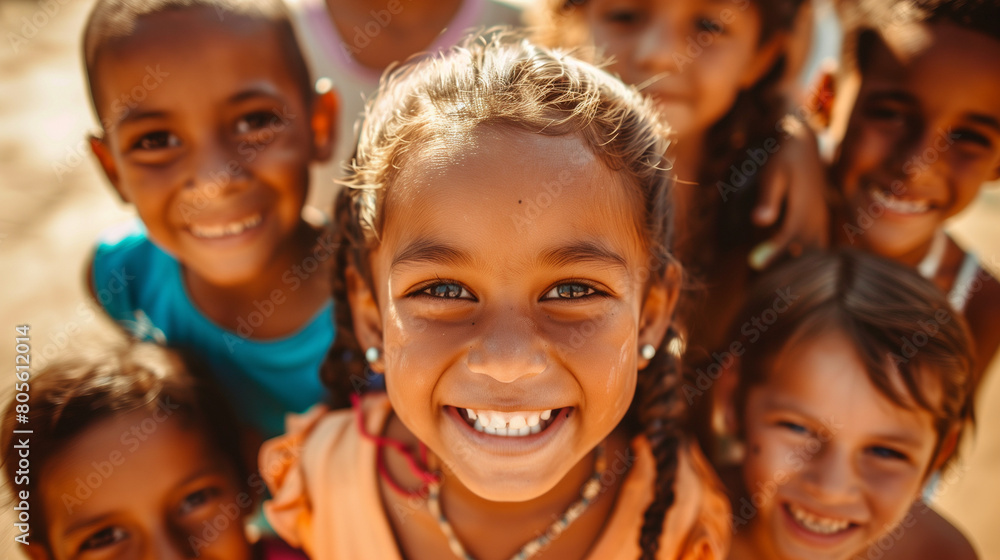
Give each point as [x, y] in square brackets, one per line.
[687, 153]
[497, 530]
[287, 293]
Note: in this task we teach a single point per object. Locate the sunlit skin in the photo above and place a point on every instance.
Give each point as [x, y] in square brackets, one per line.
[482, 302]
[822, 439]
[909, 134]
[693, 58]
[150, 495]
[234, 155]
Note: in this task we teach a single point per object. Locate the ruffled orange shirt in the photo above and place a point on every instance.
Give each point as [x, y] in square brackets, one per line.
[326, 500]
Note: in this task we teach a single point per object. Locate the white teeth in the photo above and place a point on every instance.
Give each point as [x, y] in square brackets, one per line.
[234, 228]
[817, 524]
[517, 424]
[899, 205]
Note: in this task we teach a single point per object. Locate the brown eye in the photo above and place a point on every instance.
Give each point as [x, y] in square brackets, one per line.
[159, 140]
[104, 538]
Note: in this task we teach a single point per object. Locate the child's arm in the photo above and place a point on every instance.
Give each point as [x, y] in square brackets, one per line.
[796, 179]
[981, 313]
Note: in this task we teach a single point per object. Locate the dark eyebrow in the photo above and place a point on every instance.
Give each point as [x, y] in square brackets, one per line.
[984, 120]
[584, 252]
[254, 93]
[430, 252]
[136, 116]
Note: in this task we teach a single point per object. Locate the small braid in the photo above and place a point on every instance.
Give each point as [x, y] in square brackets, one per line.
[343, 371]
[660, 413]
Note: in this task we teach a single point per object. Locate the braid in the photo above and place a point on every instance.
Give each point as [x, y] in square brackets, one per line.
[343, 371]
[660, 414]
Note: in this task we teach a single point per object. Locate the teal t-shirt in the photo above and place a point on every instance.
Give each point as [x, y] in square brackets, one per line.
[141, 287]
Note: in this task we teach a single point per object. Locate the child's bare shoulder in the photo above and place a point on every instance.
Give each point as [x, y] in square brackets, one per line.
[925, 534]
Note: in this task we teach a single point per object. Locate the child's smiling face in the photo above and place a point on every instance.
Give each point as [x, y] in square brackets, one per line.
[511, 280]
[693, 58]
[142, 485]
[915, 151]
[209, 134]
[832, 463]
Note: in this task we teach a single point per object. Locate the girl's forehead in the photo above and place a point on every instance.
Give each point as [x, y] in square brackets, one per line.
[501, 184]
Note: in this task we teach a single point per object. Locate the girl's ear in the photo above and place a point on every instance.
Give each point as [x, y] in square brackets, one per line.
[366, 315]
[107, 161]
[325, 117]
[658, 311]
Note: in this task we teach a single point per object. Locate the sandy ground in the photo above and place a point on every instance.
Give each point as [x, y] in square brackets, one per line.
[53, 203]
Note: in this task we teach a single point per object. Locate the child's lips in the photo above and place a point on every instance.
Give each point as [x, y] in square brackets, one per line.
[507, 438]
[226, 229]
[822, 530]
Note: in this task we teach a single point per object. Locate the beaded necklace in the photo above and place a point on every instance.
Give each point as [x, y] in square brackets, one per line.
[588, 494]
[431, 484]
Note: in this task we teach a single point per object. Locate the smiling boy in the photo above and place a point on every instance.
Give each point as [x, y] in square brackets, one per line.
[920, 137]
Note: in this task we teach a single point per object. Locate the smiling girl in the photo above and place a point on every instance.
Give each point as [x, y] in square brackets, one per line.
[505, 251]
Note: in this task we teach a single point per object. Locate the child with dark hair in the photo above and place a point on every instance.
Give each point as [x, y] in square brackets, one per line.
[505, 251]
[917, 117]
[209, 124]
[846, 403]
[131, 456]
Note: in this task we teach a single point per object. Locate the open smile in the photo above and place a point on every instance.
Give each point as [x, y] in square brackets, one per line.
[227, 229]
[510, 425]
[815, 528]
[899, 205]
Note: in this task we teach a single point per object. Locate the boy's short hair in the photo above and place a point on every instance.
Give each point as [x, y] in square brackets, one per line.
[116, 19]
[899, 322]
[78, 391]
[868, 21]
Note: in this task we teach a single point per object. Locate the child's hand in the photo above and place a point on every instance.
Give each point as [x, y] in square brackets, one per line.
[795, 178]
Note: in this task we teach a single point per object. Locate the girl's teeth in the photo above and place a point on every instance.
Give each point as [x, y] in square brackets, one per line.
[234, 228]
[513, 424]
[899, 205]
[817, 524]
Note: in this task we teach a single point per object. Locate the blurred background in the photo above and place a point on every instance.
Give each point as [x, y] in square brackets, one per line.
[54, 202]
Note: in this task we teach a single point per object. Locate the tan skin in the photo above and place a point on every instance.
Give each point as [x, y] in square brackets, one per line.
[411, 30]
[822, 439]
[132, 515]
[251, 125]
[895, 138]
[492, 329]
[651, 46]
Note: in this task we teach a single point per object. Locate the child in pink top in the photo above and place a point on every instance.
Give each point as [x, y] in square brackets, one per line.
[505, 251]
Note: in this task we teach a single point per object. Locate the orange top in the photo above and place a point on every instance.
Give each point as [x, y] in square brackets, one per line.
[323, 477]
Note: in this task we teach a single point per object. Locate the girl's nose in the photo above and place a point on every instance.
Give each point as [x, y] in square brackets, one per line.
[657, 45]
[508, 347]
[830, 475]
[923, 157]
